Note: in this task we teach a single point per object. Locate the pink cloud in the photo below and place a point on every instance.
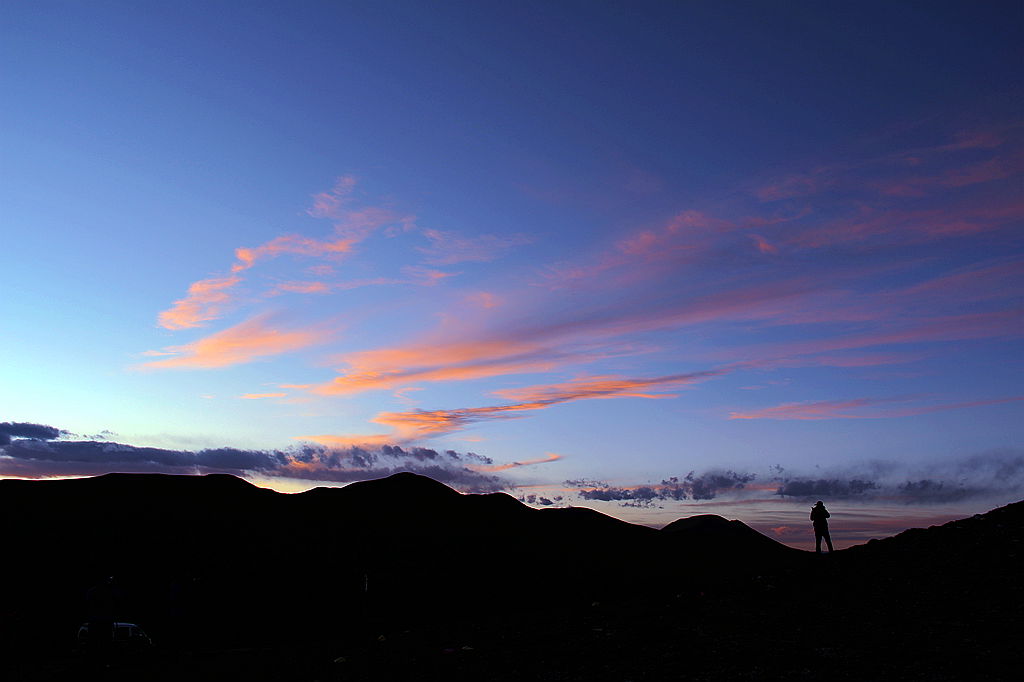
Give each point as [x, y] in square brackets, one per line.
[762, 244]
[978, 173]
[975, 283]
[294, 244]
[322, 270]
[484, 299]
[1007, 323]
[914, 226]
[796, 185]
[392, 368]
[418, 424]
[824, 409]
[860, 408]
[548, 458]
[259, 396]
[447, 248]
[303, 288]
[425, 276]
[329, 204]
[543, 348]
[604, 387]
[205, 301]
[240, 344]
[208, 298]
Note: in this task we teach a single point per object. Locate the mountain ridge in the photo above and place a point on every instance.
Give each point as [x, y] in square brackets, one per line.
[353, 565]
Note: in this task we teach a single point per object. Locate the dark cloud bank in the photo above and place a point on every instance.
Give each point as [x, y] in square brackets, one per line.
[691, 487]
[33, 451]
[993, 474]
[36, 451]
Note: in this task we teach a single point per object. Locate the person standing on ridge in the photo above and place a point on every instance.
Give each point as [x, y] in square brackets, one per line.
[819, 517]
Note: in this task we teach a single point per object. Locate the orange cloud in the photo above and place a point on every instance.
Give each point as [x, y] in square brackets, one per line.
[543, 348]
[417, 424]
[291, 243]
[387, 368]
[257, 396]
[205, 301]
[330, 441]
[602, 387]
[426, 423]
[207, 298]
[236, 345]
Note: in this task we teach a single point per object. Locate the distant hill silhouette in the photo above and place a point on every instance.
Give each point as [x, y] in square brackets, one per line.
[215, 562]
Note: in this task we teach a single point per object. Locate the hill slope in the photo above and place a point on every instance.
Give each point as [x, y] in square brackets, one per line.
[215, 563]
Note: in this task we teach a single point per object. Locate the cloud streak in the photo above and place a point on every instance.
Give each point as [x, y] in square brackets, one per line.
[448, 248]
[205, 301]
[418, 424]
[251, 340]
[208, 299]
[859, 408]
[549, 457]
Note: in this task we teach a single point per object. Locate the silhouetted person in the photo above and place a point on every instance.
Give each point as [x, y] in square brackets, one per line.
[819, 517]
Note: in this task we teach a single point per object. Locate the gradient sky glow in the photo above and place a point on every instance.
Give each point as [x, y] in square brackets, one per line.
[600, 245]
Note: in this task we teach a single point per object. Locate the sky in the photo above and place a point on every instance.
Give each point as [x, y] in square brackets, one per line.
[656, 258]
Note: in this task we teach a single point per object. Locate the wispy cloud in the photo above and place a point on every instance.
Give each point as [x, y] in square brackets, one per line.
[294, 244]
[420, 424]
[833, 350]
[329, 204]
[303, 288]
[485, 299]
[390, 368]
[208, 299]
[859, 408]
[605, 387]
[967, 158]
[763, 245]
[447, 248]
[584, 336]
[259, 396]
[205, 301]
[549, 457]
[253, 339]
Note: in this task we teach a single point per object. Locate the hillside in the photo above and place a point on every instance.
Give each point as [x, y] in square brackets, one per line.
[398, 575]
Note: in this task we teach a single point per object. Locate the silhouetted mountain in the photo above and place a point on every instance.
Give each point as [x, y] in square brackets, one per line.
[213, 563]
[712, 533]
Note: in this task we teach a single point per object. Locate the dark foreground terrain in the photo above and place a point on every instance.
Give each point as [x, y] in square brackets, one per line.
[404, 578]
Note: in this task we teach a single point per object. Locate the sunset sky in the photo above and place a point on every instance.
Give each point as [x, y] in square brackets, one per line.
[658, 258]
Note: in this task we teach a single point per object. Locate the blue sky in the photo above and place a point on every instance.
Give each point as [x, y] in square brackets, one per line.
[624, 241]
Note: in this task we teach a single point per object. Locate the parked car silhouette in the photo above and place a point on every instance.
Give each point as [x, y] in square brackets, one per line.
[122, 635]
